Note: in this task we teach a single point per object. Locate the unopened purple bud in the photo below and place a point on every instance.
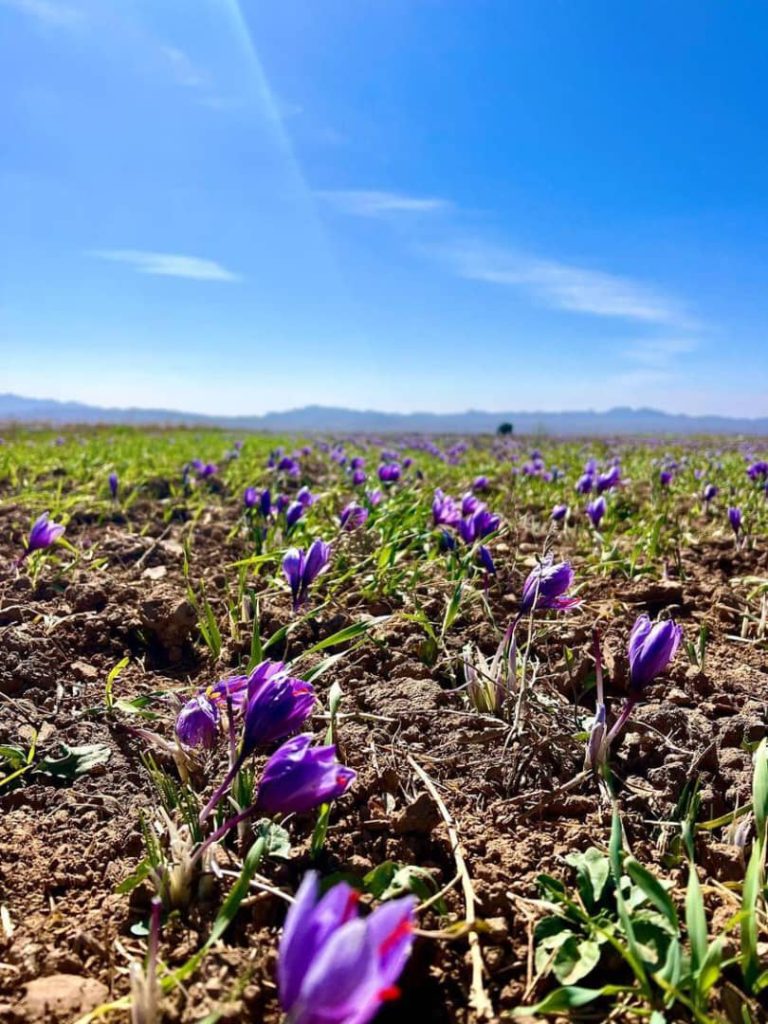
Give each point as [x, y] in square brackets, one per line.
[480, 484]
[114, 484]
[734, 518]
[298, 778]
[374, 497]
[250, 497]
[710, 492]
[559, 512]
[486, 559]
[197, 723]
[305, 497]
[389, 473]
[358, 477]
[596, 510]
[585, 484]
[665, 478]
[652, 646]
[294, 513]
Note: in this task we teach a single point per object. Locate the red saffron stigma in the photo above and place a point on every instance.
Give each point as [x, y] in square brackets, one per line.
[403, 928]
[386, 995]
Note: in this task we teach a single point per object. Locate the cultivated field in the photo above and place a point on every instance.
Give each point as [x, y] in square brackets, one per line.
[417, 675]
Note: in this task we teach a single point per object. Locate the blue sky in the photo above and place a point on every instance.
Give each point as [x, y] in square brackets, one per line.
[392, 204]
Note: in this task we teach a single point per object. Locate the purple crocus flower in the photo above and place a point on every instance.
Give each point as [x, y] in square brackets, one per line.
[479, 524]
[652, 646]
[282, 503]
[447, 541]
[470, 503]
[302, 568]
[293, 513]
[353, 516]
[444, 510]
[276, 705]
[305, 497]
[710, 492]
[596, 510]
[389, 473]
[607, 481]
[559, 512]
[480, 484]
[114, 484]
[665, 478]
[358, 477]
[357, 462]
[197, 723]
[546, 587]
[758, 470]
[288, 465]
[43, 534]
[585, 484]
[333, 966]
[250, 497]
[298, 778]
[486, 559]
[374, 497]
[734, 518]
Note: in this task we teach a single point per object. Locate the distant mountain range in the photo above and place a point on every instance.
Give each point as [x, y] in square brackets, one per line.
[318, 418]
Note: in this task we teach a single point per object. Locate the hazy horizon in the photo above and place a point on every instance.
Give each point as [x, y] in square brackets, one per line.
[431, 207]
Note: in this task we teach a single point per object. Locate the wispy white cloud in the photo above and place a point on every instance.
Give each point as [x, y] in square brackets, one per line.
[566, 286]
[375, 203]
[184, 69]
[164, 264]
[658, 353]
[48, 12]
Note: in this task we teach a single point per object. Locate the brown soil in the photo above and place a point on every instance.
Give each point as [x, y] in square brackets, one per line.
[65, 849]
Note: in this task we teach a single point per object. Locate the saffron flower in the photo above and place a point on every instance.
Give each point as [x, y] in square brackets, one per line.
[585, 484]
[479, 524]
[333, 966]
[596, 510]
[302, 568]
[276, 705]
[114, 484]
[607, 481]
[305, 497]
[298, 778]
[652, 646]
[250, 497]
[353, 516]
[444, 510]
[389, 473]
[480, 483]
[486, 559]
[546, 587]
[710, 492]
[734, 518]
[43, 534]
[358, 477]
[198, 722]
[293, 513]
[559, 513]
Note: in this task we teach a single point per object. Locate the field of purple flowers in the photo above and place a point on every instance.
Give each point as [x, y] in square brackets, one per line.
[382, 728]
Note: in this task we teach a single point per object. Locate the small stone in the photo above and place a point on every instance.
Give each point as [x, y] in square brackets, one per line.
[420, 816]
[85, 672]
[61, 997]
